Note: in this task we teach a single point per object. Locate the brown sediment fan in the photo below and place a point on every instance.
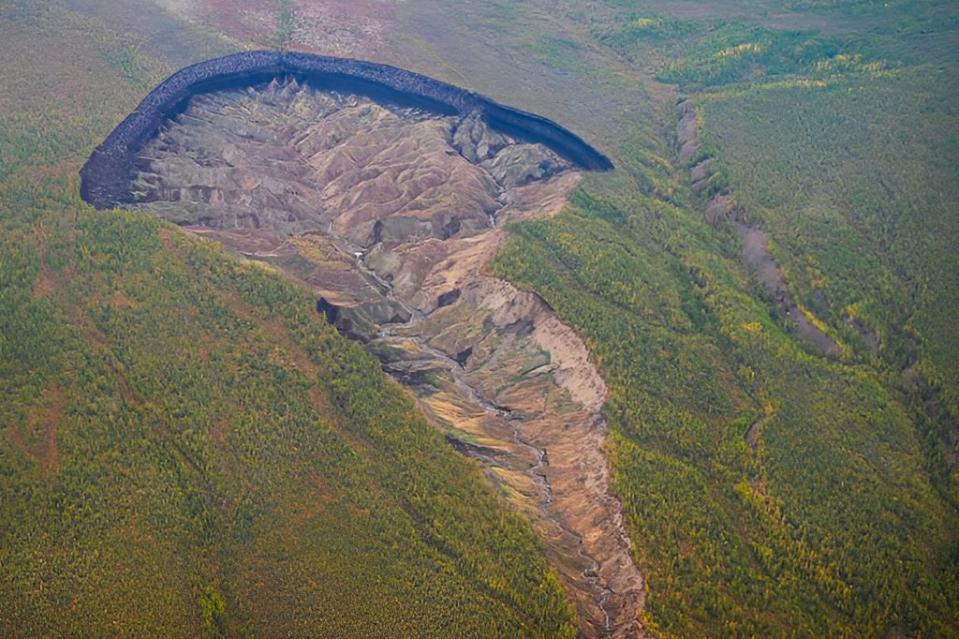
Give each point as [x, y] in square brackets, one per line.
[106, 176]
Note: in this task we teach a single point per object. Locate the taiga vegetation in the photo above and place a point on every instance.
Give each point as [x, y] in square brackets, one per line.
[772, 488]
[185, 444]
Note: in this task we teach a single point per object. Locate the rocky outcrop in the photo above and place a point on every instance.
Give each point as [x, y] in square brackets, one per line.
[390, 213]
[106, 175]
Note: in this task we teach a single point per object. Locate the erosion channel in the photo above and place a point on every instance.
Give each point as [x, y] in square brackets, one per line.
[390, 213]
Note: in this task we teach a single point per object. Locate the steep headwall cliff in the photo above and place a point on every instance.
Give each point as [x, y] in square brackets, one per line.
[106, 175]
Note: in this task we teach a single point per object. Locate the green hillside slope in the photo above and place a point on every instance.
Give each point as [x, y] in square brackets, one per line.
[773, 491]
[213, 442]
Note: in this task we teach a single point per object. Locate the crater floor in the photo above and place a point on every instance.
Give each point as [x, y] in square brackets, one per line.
[390, 214]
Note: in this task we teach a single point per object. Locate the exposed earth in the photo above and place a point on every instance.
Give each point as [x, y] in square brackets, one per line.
[391, 214]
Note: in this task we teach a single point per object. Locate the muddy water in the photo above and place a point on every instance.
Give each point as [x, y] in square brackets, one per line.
[392, 215]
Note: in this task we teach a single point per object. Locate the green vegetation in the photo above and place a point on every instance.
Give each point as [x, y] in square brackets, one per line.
[693, 360]
[633, 28]
[186, 448]
[734, 51]
[285, 23]
[716, 54]
[842, 519]
[769, 491]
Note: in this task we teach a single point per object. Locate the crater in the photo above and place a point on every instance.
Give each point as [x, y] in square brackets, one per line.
[390, 208]
[105, 178]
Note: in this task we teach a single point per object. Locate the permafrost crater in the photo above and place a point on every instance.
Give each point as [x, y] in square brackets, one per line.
[386, 193]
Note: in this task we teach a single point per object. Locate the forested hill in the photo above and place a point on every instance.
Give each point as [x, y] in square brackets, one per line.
[769, 489]
[774, 489]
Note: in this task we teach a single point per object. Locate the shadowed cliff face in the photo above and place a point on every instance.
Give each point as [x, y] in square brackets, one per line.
[391, 215]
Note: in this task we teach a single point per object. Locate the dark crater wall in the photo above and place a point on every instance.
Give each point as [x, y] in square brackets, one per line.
[106, 176]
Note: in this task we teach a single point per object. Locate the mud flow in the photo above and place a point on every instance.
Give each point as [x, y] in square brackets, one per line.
[391, 214]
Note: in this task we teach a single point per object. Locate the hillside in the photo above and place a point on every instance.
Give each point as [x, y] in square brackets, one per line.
[775, 483]
[764, 286]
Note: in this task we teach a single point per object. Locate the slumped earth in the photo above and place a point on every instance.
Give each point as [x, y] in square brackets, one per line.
[391, 214]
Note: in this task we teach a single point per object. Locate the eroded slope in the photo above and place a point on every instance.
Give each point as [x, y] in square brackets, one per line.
[391, 215]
